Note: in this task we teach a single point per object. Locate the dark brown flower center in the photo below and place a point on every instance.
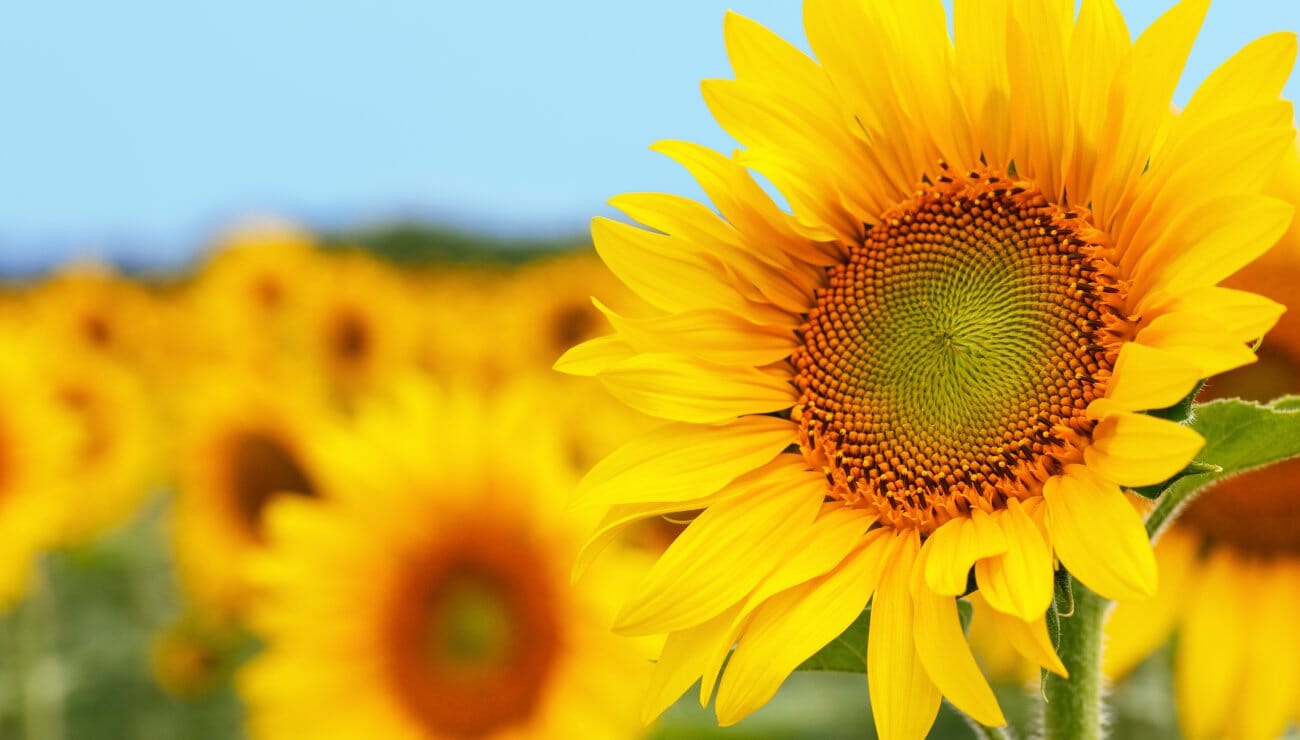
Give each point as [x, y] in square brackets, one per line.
[261, 468]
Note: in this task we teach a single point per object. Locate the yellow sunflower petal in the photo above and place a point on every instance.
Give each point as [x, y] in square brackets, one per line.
[1098, 535]
[679, 462]
[744, 204]
[1040, 90]
[952, 550]
[1139, 103]
[1097, 44]
[980, 25]
[1182, 184]
[1148, 378]
[1252, 76]
[948, 660]
[1029, 638]
[594, 355]
[791, 626]
[622, 516]
[904, 700]
[1019, 581]
[853, 47]
[819, 549]
[760, 281]
[671, 274]
[680, 388]
[825, 544]
[681, 663]
[1204, 251]
[1140, 450]
[723, 555]
[1197, 339]
[713, 335]
[1244, 316]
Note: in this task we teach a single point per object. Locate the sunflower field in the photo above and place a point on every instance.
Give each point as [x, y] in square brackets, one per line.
[965, 404]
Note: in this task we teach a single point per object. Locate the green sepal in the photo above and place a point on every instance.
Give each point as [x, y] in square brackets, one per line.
[1193, 468]
[1181, 411]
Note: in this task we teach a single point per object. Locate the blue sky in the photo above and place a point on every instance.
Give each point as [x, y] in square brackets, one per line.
[136, 129]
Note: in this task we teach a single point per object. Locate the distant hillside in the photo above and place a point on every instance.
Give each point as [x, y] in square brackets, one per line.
[415, 243]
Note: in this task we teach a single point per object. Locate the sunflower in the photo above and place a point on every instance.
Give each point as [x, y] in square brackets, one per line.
[115, 460]
[547, 306]
[430, 598]
[358, 326]
[1230, 564]
[35, 442]
[91, 308]
[249, 293]
[243, 442]
[998, 257]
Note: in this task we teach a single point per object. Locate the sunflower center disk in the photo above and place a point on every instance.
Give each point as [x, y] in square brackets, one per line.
[948, 362]
[477, 633]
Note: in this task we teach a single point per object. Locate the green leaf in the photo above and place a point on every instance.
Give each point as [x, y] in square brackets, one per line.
[848, 652]
[1239, 436]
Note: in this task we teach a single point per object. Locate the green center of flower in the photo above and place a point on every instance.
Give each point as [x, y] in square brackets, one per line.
[948, 362]
[474, 631]
[472, 625]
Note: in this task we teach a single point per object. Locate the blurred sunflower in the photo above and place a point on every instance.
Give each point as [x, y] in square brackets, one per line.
[250, 291]
[116, 459]
[93, 309]
[1230, 564]
[430, 598]
[35, 440]
[243, 442]
[997, 259]
[548, 306]
[359, 326]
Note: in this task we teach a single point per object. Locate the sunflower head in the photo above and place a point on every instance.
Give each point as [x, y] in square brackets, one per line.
[441, 574]
[996, 261]
[244, 442]
[37, 440]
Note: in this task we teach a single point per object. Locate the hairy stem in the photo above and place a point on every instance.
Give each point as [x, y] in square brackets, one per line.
[1073, 710]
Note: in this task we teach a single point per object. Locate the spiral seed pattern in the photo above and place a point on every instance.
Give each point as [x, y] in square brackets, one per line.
[949, 361]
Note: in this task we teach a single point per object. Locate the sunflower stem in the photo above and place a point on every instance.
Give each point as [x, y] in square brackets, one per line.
[1073, 708]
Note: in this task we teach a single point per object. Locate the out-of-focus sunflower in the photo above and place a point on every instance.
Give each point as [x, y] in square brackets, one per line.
[247, 296]
[359, 326]
[116, 459]
[1230, 564]
[244, 441]
[35, 440]
[191, 657]
[431, 598]
[93, 309]
[547, 307]
[998, 259]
